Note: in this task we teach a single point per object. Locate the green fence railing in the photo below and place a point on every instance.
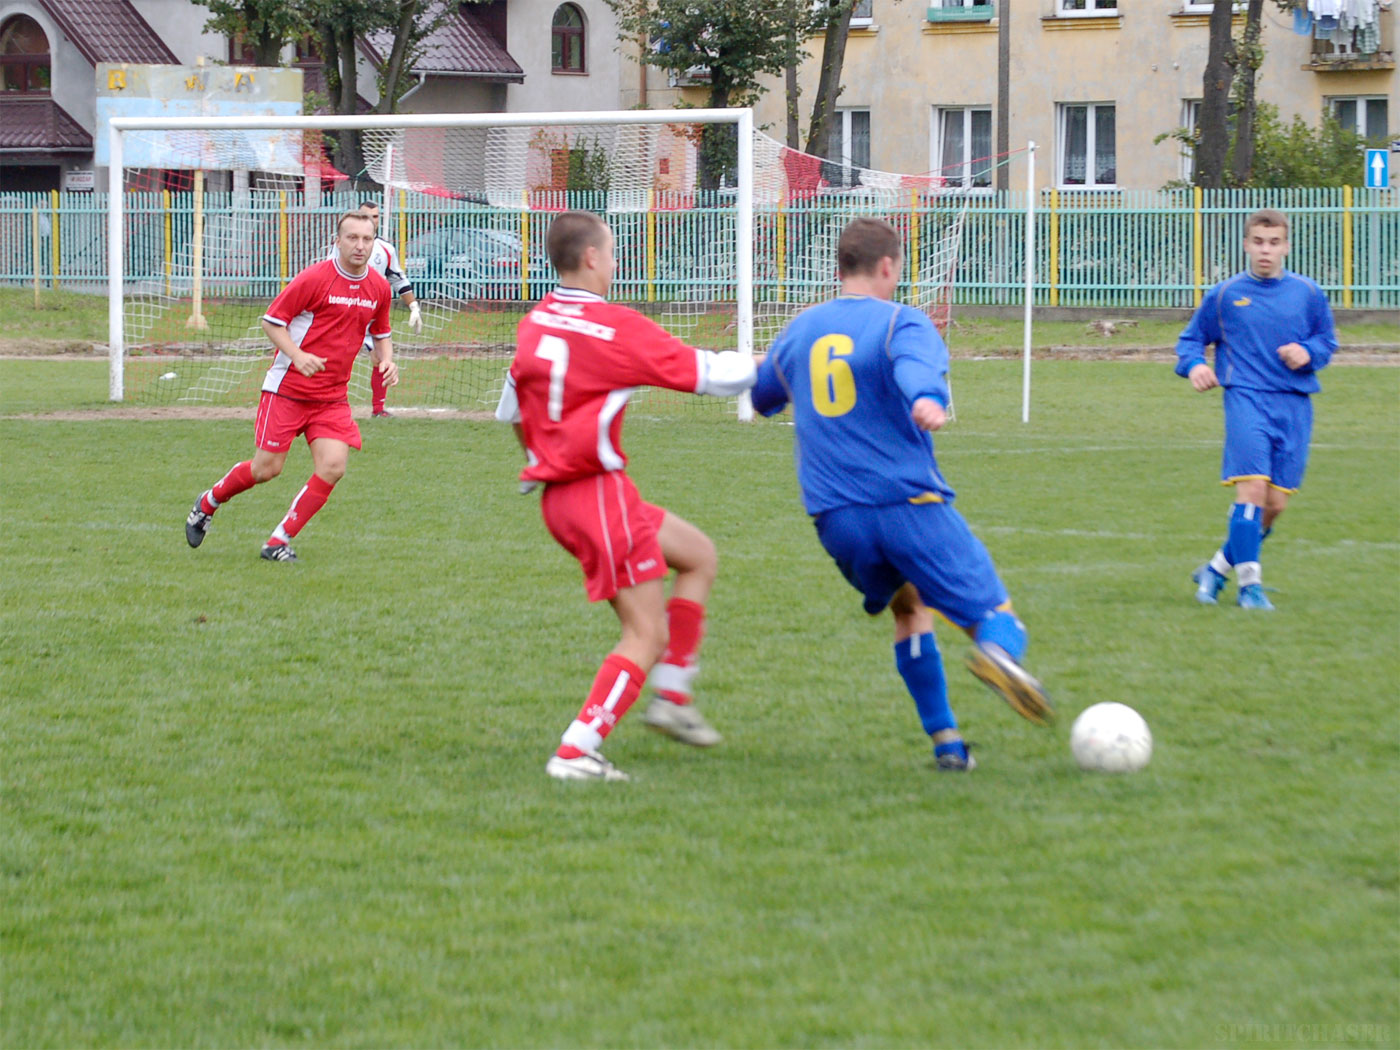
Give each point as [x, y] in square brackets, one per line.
[1121, 248]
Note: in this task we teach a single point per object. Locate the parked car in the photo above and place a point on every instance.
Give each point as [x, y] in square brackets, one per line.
[462, 262]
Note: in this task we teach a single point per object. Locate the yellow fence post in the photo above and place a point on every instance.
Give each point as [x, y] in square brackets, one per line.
[57, 245]
[1054, 247]
[403, 225]
[1347, 274]
[283, 238]
[781, 236]
[196, 319]
[525, 246]
[651, 245]
[1198, 248]
[169, 238]
[913, 242]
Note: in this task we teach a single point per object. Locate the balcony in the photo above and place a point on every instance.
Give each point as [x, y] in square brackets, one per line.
[959, 13]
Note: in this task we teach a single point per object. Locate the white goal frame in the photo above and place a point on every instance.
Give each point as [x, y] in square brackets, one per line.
[742, 118]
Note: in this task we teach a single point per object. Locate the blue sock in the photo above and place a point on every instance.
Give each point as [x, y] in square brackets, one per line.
[1245, 534]
[921, 667]
[1003, 629]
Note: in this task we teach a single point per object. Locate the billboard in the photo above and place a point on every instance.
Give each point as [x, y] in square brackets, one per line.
[128, 90]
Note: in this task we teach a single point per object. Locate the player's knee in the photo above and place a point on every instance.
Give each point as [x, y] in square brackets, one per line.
[265, 471]
[330, 473]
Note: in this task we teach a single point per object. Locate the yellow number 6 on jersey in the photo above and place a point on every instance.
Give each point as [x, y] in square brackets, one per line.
[833, 385]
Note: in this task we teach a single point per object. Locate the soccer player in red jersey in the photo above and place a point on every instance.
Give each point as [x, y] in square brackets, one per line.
[577, 359]
[317, 325]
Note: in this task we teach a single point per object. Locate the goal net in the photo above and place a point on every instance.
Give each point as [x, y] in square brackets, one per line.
[723, 235]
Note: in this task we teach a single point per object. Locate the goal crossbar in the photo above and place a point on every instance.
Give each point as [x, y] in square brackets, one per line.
[742, 118]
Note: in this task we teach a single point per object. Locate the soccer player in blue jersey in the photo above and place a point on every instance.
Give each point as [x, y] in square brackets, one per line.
[867, 379]
[1272, 332]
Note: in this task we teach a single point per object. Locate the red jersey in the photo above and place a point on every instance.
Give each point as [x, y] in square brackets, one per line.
[577, 359]
[326, 312]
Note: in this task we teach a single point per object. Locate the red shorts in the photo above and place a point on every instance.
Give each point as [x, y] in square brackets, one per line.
[604, 523]
[281, 419]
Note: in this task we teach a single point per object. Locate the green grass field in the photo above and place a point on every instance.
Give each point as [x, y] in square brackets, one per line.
[249, 804]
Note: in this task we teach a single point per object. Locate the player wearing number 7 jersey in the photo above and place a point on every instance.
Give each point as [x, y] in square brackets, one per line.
[577, 360]
[867, 381]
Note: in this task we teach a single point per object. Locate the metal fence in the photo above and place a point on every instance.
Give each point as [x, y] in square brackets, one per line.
[1101, 249]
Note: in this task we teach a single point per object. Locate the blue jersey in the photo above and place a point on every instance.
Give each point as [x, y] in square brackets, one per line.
[1247, 319]
[851, 368]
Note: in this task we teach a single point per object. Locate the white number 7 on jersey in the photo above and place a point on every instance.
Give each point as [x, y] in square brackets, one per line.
[556, 351]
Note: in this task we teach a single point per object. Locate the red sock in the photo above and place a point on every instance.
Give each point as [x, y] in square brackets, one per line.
[238, 479]
[686, 620]
[309, 500]
[377, 388]
[617, 685]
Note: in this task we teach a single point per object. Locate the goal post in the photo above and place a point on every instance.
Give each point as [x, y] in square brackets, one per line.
[721, 238]
[742, 119]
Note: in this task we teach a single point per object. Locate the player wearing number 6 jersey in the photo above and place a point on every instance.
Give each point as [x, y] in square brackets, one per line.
[867, 381]
[577, 360]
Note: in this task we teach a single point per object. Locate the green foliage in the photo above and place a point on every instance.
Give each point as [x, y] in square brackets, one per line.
[304, 805]
[1298, 155]
[267, 25]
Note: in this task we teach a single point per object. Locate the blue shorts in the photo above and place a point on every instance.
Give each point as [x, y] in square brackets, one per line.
[929, 545]
[1266, 437]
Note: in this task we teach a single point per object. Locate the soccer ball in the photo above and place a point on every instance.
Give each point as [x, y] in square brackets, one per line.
[1110, 738]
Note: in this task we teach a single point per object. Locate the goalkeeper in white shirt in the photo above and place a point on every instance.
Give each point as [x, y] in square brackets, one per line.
[384, 260]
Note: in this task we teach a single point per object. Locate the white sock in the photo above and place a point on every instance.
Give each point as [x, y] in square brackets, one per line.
[1249, 573]
[582, 736]
[1219, 563]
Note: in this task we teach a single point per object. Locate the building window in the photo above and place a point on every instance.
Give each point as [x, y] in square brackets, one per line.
[1205, 7]
[1088, 145]
[863, 14]
[24, 57]
[964, 150]
[850, 138]
[1087, 7]
[1190, 118]
[1367, 115]
[566, 40]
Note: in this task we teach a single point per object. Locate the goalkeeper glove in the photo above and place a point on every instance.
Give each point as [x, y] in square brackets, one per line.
[415, 318]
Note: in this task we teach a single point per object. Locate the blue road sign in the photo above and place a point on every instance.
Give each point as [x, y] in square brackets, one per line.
[1377, 169]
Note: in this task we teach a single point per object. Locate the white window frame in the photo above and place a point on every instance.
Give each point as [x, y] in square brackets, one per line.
[945, 4]
[1090, 128]
[1190, 117]
[860, 21]
[1205, 7]
[844, 116]
[1363, 103]
[1092, 9]
[963, 182]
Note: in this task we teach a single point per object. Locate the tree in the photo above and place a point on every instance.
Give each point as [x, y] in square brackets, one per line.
[267, 26]
[838, 29]
[1248, 57]
[1298, 155]
[1213, 135]
[732, 45]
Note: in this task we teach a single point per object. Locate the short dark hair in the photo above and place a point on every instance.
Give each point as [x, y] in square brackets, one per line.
[569, 234]
[1266, 217]
[356, 215]
[370, 204]
[864, 242]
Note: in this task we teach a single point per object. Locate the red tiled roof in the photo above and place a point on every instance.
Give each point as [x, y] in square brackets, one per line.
[39, 125]
[462, 47]
[109, 31]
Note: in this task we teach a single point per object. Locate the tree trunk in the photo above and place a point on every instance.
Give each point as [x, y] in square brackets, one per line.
[338, 49]
[716, 140]
[829, 84]
[1250, 57]
[1213, 140]
[393, 71]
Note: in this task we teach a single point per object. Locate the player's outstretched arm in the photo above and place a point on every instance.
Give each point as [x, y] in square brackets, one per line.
[725, 373]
